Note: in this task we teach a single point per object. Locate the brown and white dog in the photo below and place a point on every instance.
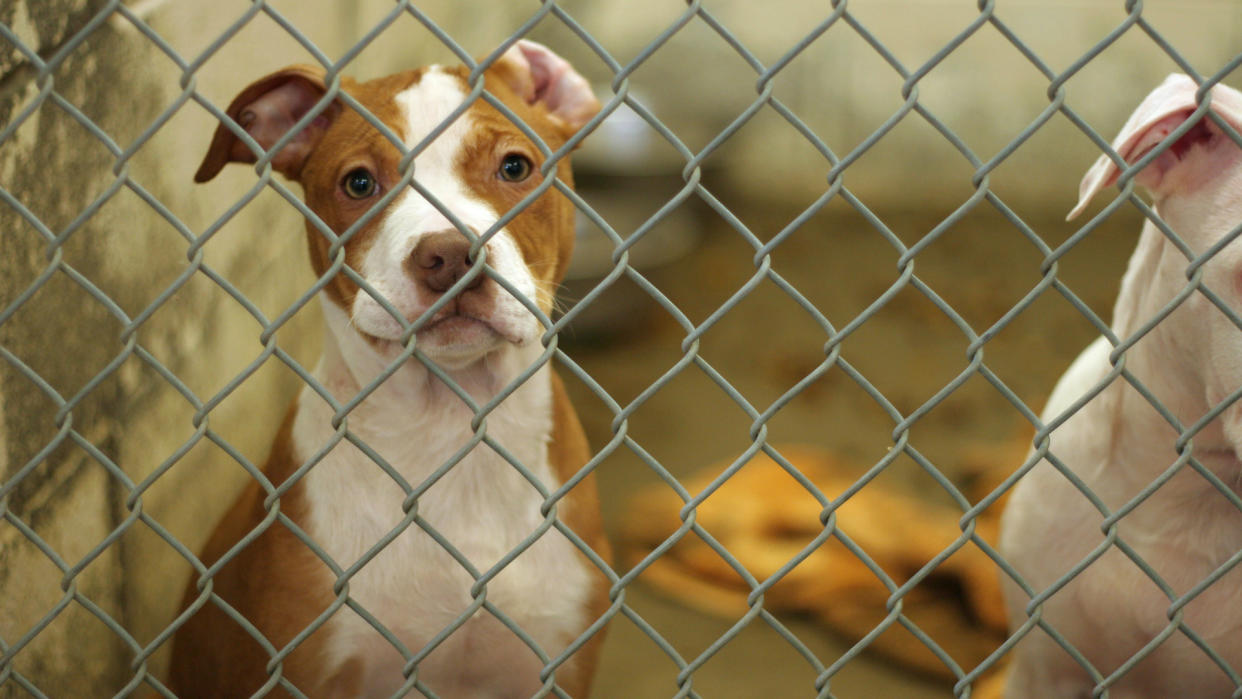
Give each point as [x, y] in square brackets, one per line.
[411, 254]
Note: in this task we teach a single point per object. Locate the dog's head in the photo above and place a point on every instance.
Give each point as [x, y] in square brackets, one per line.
[1196, 183]
[476, 166]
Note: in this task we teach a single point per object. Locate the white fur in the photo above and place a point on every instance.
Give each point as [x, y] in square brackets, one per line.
[1118, 444]
[483, 506]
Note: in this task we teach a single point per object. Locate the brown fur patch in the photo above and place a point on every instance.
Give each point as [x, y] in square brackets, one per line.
[544, 230]
[214, 656]
[353, 142]
[568, 452]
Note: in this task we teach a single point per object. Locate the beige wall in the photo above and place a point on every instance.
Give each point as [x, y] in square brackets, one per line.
[985, 91]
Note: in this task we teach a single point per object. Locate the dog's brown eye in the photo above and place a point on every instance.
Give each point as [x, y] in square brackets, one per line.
[359, 183]
[515, 168]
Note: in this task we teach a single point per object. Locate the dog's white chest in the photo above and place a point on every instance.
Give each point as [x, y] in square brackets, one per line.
[475, 536]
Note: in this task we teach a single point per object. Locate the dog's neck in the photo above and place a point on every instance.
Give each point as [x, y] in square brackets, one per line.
[1177, 360]
[1154, 278]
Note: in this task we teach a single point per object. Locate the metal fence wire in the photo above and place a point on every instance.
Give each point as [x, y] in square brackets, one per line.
[73, 429]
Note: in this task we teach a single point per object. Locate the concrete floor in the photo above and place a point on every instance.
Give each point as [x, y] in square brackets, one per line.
[909, 350]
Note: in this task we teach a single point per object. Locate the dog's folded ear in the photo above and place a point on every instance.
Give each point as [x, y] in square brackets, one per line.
[267, 109]
[1189, 161]
[543, 78]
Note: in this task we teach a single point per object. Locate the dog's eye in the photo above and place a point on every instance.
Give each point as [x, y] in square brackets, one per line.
[515, 168]
[359, 183]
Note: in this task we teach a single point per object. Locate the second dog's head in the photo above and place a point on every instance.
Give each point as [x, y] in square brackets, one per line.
[1195, 179]
[477, 167]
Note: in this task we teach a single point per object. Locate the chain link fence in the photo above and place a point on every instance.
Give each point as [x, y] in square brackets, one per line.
[130, 415]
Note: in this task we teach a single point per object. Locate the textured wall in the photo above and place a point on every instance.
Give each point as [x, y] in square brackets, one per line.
[68, 500]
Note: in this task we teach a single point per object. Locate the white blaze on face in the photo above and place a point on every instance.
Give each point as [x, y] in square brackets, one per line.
[425, 106]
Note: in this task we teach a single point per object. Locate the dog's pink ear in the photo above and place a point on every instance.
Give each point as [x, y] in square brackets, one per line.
[544, 78]
[267, 109]
[1165, 109]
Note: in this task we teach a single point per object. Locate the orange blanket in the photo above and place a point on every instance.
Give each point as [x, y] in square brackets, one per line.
[765, 518]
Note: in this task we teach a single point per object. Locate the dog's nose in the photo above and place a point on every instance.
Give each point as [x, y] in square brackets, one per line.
[440, 259]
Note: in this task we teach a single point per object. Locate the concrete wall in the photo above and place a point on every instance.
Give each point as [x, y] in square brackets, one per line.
[986, 91]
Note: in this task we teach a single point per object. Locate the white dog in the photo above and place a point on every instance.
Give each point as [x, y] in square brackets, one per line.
[1116, 444]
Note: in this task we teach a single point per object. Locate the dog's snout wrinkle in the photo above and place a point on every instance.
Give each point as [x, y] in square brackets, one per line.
[440, 259]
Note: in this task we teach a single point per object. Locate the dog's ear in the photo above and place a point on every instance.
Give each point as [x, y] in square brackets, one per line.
[1183, 164]
[267, 109]
[543, 78]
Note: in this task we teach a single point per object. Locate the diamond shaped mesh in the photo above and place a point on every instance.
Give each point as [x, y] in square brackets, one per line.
[82, 344]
